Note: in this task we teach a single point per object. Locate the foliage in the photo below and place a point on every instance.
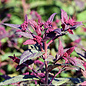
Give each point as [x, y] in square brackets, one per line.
[42, 50]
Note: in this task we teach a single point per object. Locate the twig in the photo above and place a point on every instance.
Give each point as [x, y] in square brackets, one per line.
[36, 73]
[55, 38]
[55, 76]
[46, 65]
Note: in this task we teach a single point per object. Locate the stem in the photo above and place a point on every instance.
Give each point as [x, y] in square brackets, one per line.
[36, 73]
[46, 65]
[55, 76]
[41, 48]
[54, 38]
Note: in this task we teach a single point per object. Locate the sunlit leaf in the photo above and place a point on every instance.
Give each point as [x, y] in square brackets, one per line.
[69, 51]
[18, 79]
[52, 17]
[12, 25]
[35, 26]
[58, 31]
[64, 16]
[80, 53]
[59, 81]
[30, 54]
[29, 42]
[73, 37]
[60, 48]
[25, 34]
[79, 63]
[49, 58]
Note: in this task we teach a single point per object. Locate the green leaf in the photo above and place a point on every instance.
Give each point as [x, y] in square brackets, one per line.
[5, 56]
[81, 66]
[60, 81]
[73, 37]
[25, 34]
[30, 54]
[18, 79]
[49, 58]
[79, 63]
[80, 53]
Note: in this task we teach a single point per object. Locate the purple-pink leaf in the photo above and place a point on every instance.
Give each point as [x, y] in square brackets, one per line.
[81, 53]
[30, 54]
[15, 59]
[51, 17]
[77, 24]
[79, 63]
[35, 16]
[27, 73]
[25, 64]
[38, 62]
[3, 32]
[69, 51]
[70, 31]
[71, 60]
[12, 25]
[38, 39]
[35, 26]
[49, 35]
[71, 21]
[49, 58]
[84, 65]
[60, 48]
[30, 42]
[58, 31]
[25, 34]
[64, 16]
[3, 35]
[77, 40]
[83, 83]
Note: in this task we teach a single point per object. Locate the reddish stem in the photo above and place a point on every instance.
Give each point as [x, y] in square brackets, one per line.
[36, 73]
[54, 38]
[46, 65]
[55, 76]
[41, 48]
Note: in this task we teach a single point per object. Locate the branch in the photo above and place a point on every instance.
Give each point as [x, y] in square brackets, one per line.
[60, 70]
[46, 65]
[55, 38]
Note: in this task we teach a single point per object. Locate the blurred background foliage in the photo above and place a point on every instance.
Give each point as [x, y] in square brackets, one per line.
[18, 9]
